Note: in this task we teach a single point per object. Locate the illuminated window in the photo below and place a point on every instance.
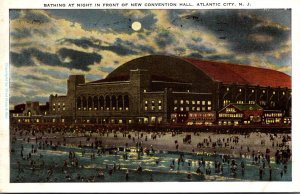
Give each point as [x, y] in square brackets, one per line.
[283, 93]
[175, 101]
[227, 89]
[198, 101]
[193, 102]
[264, 91]
[193, 108]
[187, 108]
[209, 108]
[146, 108]
[152, 105]
[187, 102]
[64, 108]
[159, 108]
[181, 101]
[240, 90]
[209, 102]
[203, 108]
[175, 108]
[274, 92]
[203, 102]
[145, 120]
[146, 102]
[252, 91]
[198, 108]
[226, 102]
[181, 108]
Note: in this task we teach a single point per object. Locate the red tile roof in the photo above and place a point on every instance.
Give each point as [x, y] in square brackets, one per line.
[242, 74]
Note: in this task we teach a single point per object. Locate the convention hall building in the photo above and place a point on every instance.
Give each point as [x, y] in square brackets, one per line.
[159, 89]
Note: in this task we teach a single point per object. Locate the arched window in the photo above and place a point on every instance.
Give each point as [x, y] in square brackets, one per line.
[126, 102]
[107, 103]
[84, 103]
[101, 102]
[95, 103]
[79, 103]
[114, 102]
[120, 102]
[90, 103]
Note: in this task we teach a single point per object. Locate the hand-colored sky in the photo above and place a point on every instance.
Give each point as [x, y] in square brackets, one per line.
[46, 46]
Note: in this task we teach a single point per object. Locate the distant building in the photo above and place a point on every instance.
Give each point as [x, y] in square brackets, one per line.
[30, 112]
[156, 89]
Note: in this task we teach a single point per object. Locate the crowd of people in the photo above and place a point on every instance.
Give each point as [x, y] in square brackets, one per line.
[259, 148]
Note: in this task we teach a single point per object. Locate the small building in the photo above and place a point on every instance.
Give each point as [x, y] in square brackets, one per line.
[201, 118]
[236, 114]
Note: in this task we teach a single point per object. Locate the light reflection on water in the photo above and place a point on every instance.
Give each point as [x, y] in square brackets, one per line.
[162, 170]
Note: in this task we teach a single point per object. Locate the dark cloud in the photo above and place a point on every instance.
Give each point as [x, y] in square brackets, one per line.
[106, 20]
[14, 14]
[238, 27]
[164, 39]
[30, 32]
[33, 77]
[79, 60]
[82, 42]
[76, 59]
[20, 59]
[36, 17]
[20, 33]
[195, 55]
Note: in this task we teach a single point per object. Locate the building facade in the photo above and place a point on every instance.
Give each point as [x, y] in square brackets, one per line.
[156, 89]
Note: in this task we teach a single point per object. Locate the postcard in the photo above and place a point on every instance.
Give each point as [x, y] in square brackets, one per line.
[122, 96]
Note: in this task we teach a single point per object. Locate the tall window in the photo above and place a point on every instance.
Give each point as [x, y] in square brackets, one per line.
[146, 105]
[152, 105]
[120, 102]
[126, 102]
[101, 102]
[95, 103]
[107, 102]
[159, 105]
[113, 102]
[78, 103]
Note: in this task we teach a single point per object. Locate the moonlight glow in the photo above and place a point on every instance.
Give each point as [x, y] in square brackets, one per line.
[136, 26]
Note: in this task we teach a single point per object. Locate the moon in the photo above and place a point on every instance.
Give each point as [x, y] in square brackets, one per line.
[136, 26]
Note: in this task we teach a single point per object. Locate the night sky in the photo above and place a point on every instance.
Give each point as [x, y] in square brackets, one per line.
[46, 46]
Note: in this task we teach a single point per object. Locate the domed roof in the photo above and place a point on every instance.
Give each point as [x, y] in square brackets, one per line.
[187, 69]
